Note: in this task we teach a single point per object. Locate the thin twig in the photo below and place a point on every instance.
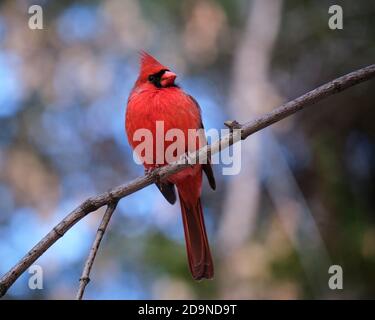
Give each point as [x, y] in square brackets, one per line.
[94, 203]
[85, 277]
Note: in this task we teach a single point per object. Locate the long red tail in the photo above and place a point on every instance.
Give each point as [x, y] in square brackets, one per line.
[197, 247]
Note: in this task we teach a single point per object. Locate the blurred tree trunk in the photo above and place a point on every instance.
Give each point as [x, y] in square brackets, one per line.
[251, 94]
[244, 266]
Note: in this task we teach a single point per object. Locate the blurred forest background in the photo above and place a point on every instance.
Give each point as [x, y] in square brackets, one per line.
[304, 199]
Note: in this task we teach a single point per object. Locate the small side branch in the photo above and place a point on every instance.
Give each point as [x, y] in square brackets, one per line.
[85, 277]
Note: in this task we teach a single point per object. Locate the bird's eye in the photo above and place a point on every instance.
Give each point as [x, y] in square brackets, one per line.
[151, 78]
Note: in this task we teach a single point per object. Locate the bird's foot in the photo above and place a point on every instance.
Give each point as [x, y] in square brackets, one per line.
[153, 170]
[186, 159]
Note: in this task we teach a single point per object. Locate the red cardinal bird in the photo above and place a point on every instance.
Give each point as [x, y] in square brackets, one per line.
[156, 97]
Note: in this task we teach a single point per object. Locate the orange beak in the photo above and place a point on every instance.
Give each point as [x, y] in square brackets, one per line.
[167, 79]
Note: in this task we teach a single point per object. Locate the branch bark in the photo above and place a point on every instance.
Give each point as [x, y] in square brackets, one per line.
[115, 194]
[85, 277]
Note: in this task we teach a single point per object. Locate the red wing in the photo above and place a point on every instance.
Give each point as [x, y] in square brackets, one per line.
[207, 168]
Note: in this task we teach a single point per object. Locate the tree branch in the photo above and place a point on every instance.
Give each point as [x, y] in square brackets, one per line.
[115, 194]
[85, 277]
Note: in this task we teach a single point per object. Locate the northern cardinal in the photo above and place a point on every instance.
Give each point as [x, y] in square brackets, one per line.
[156, 97]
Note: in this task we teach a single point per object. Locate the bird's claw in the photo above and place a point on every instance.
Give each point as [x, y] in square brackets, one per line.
[149, 171]
[186, 159]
